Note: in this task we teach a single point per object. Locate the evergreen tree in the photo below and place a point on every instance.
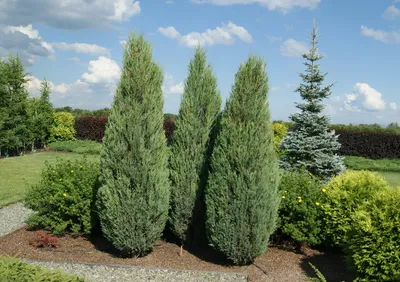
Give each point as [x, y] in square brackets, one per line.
[133, 199]
[242, 192]
[14, 121]
[310, 144]
[191, 147]
[41, 115]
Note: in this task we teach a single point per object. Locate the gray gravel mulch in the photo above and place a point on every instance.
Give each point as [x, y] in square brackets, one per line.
[12, 218]
[106, 273]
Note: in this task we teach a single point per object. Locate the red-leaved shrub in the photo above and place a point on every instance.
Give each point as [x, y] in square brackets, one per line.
[90, 128]
[44, 240]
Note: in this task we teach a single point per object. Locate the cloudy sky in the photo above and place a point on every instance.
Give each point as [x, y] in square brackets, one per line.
[77, 45]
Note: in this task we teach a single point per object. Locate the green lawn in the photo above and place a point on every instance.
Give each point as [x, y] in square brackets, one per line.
[18, 173]
[393, 178]
[389, 168]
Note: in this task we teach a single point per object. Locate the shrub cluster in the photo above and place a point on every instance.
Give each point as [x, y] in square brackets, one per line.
[301, 207]
[90, 127]
[373, 145]
[280, 131]
[14, 270]
[63, 199]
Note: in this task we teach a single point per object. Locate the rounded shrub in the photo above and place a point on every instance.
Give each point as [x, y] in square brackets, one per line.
[63, 200]
[63, 127]
[373, 243]
[300, 211]
[344, 194]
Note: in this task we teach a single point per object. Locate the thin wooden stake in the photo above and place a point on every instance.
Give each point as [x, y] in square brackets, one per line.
[180, 253]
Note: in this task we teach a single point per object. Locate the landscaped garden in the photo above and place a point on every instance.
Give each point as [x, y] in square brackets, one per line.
[225, 191]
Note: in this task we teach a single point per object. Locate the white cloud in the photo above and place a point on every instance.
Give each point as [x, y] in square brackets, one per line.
[380, 35]
[364, 98]
[122, 42]
[225, 35]
[274, 39]
[124, 9]
[67, 14]
[391, 13]
[90, 49]
[170, 87]
[33, 86]
[293, 48]
[282, 5]
[94, 89]
[102, 70]
[393, 106]
[169, 32]
[24, 41]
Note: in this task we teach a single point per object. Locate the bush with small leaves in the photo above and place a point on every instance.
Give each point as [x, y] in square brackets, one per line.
[301, 206]
[63, 127]
[63, 199]
[373, 243]
[280, 131]
[344, 194]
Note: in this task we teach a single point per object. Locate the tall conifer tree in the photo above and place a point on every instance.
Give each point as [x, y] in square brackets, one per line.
[192, 146]
[242, 193]
[310, 144]
[133, 199]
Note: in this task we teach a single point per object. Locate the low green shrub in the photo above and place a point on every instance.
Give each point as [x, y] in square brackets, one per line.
[300, 211]
[344, 194]
[14, 270]
[63, 127]
[77, 146]
[373, 244]
[64, 198]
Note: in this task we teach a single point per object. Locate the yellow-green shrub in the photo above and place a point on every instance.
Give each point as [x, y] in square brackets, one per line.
[373, 243]
[280, 131]
[14, 270]
[344, 194]
[62, 128]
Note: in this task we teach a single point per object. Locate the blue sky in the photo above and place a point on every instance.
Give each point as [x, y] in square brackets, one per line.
[77, 45]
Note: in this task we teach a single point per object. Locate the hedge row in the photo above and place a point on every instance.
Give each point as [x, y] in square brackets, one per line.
[368, 144]
[372, 145]
[93, 127]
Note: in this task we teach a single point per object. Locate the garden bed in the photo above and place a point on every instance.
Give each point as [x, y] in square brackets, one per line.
[276, 264]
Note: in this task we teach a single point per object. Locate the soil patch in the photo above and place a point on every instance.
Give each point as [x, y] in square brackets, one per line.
[276, 264]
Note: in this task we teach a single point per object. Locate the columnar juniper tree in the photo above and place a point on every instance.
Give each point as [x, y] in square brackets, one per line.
[191, 147]
[241, 195]
[133, 199]
[310, 144]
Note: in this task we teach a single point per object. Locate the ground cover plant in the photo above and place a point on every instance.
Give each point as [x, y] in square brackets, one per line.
[22, 172]
[15, 270]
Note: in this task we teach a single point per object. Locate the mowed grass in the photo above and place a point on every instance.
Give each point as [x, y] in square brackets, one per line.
[359, 163]
[17, 174]
[389, 168]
